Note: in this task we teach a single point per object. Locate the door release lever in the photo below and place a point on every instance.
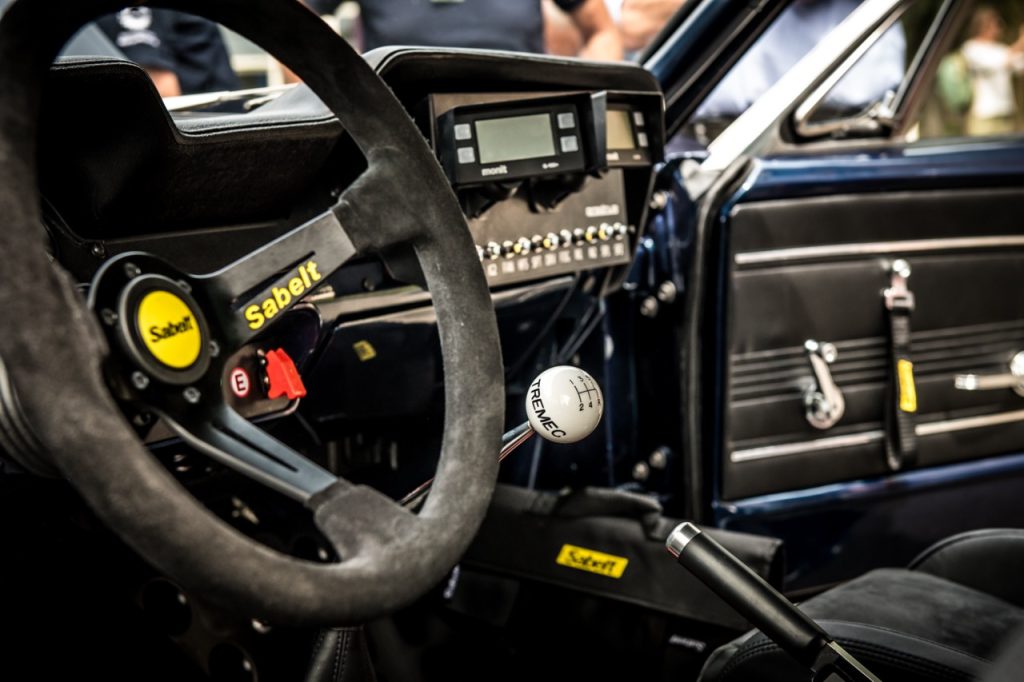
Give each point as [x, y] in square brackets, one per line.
[824, 404]
[988, 382]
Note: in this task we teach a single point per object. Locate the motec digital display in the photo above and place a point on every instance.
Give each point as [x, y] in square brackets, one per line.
[496, 143]
[516, 138]
[620, 130]
[626, 137]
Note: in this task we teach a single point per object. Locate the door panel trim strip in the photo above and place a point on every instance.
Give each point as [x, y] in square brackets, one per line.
[812, 253]
[965, 423]
[785, 449]
[869, 437]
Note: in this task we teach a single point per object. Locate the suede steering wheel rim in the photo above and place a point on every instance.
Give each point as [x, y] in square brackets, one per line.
[56, 348]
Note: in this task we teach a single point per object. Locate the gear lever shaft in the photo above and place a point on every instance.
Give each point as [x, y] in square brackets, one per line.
[564, 405]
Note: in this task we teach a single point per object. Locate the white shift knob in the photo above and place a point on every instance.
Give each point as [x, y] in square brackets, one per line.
[564, 404]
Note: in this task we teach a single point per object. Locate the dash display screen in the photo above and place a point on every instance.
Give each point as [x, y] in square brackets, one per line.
[512, 139]
[620, 130]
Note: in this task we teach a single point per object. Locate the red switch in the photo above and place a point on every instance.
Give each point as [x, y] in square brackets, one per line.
[283, 377]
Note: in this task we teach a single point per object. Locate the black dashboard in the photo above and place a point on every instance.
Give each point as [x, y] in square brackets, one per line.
[552, 161]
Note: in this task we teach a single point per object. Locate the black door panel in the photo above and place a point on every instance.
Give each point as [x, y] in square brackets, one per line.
[836, 220]
[816, 269]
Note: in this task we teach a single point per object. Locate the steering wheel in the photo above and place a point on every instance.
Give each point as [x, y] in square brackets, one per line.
[63, 360]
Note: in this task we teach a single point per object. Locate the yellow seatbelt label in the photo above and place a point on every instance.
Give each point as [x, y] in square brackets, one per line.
[364, 350]
[583, 559]
[908, 392]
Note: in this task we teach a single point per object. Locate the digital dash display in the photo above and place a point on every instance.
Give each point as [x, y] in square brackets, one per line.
[504, 142]
[620, 130]
[515, 138]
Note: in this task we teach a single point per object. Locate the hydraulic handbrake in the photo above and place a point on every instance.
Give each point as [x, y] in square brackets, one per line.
[764, 607]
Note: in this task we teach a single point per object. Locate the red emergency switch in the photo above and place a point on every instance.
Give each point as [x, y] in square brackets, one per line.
[283, 377]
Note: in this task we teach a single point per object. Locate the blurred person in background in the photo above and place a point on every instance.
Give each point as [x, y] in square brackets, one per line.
[183, 54]
[991, 65]
[516, 25]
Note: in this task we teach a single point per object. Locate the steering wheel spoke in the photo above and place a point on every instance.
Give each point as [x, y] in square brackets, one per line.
[228, 438]
[359, 520]
[377, 213]
[245, 296]
[371, 216]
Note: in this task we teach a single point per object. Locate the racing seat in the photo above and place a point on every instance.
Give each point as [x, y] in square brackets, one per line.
[943, 618]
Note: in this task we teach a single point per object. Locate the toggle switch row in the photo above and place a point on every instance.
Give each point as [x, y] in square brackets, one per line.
[591, 235]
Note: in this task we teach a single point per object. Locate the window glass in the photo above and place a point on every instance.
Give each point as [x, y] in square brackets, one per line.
[187, 55]
[866, 92]
[798, 29]
[978, 87]
[875, 77]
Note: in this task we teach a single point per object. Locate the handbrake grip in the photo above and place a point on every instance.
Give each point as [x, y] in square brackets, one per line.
[747, 593]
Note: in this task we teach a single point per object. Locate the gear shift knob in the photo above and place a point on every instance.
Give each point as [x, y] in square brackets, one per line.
[564, 404]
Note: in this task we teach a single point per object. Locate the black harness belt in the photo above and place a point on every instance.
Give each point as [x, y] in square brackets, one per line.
[901, 396]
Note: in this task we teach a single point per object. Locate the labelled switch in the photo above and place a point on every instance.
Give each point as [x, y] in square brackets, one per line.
[551, 241]
[283, 377]
[566, 237]
[493, 250]
[604, 233]
[522, 246]
[508, 248]
[591, 234]
[537, 242]
[578, 235]
[239, 382]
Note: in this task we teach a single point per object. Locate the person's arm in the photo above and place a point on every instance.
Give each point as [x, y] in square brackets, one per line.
[1018, 46]
[601, 38]
[165, 80]
[642, 19]
[1017, 52]
[988, 58]
[561, 37]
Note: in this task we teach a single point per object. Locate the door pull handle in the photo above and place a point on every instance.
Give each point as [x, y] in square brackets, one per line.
[1014, 379]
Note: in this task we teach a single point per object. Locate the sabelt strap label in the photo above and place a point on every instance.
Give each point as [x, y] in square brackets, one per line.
[283, 294]
[592, 561]
[908, 391]
[169, 329]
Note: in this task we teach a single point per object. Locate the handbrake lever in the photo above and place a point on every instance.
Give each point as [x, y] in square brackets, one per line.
[764, 607]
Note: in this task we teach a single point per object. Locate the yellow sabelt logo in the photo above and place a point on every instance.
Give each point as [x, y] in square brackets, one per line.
[286, 291]
[169, 329]
[584, 559]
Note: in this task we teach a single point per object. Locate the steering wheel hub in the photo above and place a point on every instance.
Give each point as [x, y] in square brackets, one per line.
[151, 316]
[163, 329]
